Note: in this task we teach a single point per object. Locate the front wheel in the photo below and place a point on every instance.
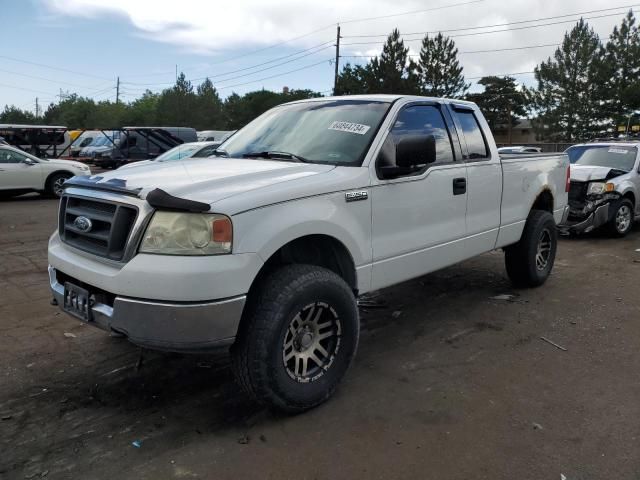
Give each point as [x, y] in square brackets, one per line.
[622, 219]
[298, 337]
[55, 184]
[530, 261]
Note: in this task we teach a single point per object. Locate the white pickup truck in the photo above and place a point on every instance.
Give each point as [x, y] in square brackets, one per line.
[266, 248]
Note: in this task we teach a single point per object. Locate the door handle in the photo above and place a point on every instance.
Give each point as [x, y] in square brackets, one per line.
[459, 186]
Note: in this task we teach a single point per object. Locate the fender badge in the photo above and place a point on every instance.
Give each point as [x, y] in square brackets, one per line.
[355, 196]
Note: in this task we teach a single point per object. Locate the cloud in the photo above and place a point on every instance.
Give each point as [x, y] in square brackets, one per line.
[219, 28]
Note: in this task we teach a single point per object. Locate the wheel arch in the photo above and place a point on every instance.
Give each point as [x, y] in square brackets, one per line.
[55, 172]
[321, 250]
[544, 201]
[631, 196]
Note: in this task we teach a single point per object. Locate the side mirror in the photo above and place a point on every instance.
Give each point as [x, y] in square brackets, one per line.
[28, 161]
[414, 150]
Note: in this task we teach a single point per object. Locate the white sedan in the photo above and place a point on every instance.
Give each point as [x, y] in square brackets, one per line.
[21, 173]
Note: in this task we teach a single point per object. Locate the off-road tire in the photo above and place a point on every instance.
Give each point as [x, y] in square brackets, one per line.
[520, 258]
[613, 227]
[258, 352]
[52, 182]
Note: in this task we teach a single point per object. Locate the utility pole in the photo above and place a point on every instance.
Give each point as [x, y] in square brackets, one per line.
[37, 108]
[117, 90]
[509, 123]
[335, 77]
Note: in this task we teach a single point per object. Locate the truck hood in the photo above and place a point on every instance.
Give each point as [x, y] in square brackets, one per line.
[588, 173]
[204, 181]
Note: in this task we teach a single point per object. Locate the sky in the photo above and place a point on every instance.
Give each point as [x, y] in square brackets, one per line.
[54, 47]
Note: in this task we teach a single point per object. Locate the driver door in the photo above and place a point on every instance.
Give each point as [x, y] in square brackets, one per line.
[419, 219]
[16, 174]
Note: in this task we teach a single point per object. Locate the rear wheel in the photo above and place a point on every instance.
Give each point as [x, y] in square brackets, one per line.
[622, 219]
[530, 261]
[55, 184]
[297, 339]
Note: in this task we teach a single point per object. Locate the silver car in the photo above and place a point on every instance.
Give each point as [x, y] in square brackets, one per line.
[603, 189]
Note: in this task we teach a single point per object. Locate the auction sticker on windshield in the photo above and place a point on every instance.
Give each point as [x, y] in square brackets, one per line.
[618, 150]
[356, 128]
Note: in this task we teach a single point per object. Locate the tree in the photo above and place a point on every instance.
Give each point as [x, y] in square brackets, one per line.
[177, 104]
[142, 111]
[208, 115]
[355, 80]
[622, 64]
[392, 71]
[12, 114]
[73, 112]
[501, 102]
[570, 86]
[439, 71]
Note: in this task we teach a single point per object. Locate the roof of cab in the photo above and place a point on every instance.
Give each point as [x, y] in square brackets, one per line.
[386, 98]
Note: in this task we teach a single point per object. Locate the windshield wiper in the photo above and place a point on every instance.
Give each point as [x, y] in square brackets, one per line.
[273, 154]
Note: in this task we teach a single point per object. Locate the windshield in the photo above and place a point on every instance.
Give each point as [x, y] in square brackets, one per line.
[176, 153]
[610, 156]
[332, 131]
[100, 141]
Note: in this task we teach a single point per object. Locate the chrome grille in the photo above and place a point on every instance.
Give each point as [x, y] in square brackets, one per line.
[110, 225]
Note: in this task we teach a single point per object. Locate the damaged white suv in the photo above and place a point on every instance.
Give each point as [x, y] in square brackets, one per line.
[604, 187]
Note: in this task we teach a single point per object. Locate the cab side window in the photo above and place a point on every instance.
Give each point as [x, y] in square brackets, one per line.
[476, 144]
[9, 156]
[418, 120]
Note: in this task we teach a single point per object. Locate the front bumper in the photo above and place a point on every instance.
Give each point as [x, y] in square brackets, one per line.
[162, 325]
[595, 219]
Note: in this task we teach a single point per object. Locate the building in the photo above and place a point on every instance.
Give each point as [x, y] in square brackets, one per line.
[521, 134]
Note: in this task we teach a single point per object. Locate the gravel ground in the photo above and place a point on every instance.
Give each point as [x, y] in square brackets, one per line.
[450, 382]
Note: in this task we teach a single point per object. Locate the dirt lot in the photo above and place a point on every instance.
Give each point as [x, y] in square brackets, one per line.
[457, 385]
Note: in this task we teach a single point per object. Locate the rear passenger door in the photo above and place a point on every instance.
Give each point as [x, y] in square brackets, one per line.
[418, 220]
[484, 181]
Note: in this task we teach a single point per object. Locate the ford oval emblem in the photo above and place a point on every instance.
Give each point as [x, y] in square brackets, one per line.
[83, 224]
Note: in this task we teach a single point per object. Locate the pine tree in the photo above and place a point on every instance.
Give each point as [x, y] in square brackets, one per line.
[570, 86]
[501, 102]
[623, 70]
[439, 71]
[392, 71]
[208, 114]
[177, 104]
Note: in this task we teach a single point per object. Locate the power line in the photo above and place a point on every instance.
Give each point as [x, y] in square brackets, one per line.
[253, 52]
[53, 68]
[23, 88]
[274, 76]
[273, 66]
[46, 79]
[324, 46]
[500, 24]
[274, 45]
[470, 51]
[493, 31]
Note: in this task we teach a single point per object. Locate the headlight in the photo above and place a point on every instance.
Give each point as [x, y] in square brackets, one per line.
[598, 188]
[84, 168]
[174, 233]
